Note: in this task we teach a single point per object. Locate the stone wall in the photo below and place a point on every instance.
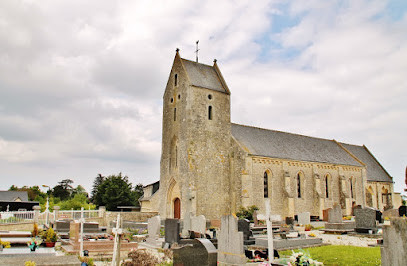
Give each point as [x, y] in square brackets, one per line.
[394, 249]
[128, 216]
[376, 189]
[283, 190]
[17, 227]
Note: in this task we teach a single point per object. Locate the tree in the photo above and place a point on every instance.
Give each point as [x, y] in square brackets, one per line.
[138, 193]
[115, 190]
[32, 192]
[98, 181]
[63, 190]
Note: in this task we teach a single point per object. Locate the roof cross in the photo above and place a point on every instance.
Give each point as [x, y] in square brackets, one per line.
[197, 50]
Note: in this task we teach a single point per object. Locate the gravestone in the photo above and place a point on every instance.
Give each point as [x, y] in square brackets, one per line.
[90, 227]
[195, 252]
[62, 226]
[365, 220]
[172, 230]
[230, 242]
[198, 224]
[394, 248]
[243, 225]
[275, 218]
[325, 214]
[402, 211]
[255, 220]
[74, 231]
[391, 213]
[304, 218]
[335, 214]
[379, 216]
[153, 228]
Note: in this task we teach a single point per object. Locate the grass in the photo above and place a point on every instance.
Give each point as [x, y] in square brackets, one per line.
[343, 255]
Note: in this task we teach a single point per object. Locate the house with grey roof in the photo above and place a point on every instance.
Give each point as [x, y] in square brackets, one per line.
[15, 200]
[211, 166]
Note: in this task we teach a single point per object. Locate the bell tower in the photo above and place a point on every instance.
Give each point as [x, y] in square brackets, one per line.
[195, 159]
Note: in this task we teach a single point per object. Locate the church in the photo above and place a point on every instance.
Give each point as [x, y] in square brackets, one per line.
[211, 166]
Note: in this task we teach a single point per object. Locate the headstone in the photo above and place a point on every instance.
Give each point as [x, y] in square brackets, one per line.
[394, 249]
[379, 216]
[304, 218]
[243, 225]
[325, 214]
[275, 218]
[230, 242]
[335, 214]
[195, 252]
[153, 227]
[172, 230]
[62, 226]
[198, 224]
[74, 231]
[365, 219]
[402, 211]
[255, 221]
[391, 213]
[186, 223]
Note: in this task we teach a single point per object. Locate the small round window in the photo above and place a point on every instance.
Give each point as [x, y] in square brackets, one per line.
[210, 96]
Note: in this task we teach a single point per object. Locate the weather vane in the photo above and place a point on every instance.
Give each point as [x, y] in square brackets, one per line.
[197, 50]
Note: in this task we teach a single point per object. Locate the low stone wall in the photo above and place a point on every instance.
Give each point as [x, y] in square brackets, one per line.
[128, 216]
[394, 249]
[17, 227]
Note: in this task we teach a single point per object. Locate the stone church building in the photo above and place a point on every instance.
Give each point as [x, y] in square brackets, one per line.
[212, 166]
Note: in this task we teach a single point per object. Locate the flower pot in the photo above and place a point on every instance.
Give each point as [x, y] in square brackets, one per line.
[49, 244]
[32, 248]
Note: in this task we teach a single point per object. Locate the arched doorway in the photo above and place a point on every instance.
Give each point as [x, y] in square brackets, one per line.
[177, 208]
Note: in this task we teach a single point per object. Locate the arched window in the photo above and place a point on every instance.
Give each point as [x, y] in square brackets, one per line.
[266, 185]
[176, 156]
[210, 112]
[176, 79]
[299, 185]
[351, 187]
[175, 114]
[327, 186]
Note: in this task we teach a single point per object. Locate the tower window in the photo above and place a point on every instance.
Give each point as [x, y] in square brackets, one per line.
[175, 114]
[176, 156]
[172, 100]
[179, 96]
[210, 112]
[266, 185]
[176, 79]
[210, 96]
[299, 185]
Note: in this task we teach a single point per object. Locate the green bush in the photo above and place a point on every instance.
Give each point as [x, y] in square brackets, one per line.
[244, 213]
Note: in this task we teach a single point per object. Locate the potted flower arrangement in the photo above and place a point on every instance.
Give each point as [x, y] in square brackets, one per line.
[302, 259]
[34, 243]
[50, 237]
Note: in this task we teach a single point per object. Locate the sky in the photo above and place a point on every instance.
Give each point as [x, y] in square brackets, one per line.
[81, 82]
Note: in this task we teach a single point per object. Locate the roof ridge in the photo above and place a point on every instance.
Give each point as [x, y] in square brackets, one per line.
[279, 131]
[196, 62]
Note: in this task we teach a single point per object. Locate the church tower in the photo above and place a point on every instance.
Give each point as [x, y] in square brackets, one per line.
[195, 159]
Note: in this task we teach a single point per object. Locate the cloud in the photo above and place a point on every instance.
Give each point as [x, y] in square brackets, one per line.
[81, 83]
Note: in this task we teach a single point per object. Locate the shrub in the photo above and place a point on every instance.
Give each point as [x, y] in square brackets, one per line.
[244, 213]
[30, 263]
[35, 231]
[5, 244]
[87, 260]
[50, 236]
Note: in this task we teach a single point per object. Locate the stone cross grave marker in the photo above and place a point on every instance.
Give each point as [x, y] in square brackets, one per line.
[335, 214]
[304, 218]
[118, 232]
[270, 240]
[230, 242]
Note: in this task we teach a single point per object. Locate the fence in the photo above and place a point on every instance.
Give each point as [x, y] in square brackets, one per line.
[76, 214]
[44, 217]
[16, 217]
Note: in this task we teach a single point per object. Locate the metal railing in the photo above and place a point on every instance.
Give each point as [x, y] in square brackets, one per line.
[16, 217]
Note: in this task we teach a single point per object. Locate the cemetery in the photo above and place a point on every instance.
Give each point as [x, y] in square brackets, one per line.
[196, 240]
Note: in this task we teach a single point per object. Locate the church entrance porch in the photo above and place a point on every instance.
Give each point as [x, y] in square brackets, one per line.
[173, 200]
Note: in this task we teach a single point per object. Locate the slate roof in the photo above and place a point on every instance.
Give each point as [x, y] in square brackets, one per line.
[13, 195]
[375, 172]
[277, 144]
[202, 75]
